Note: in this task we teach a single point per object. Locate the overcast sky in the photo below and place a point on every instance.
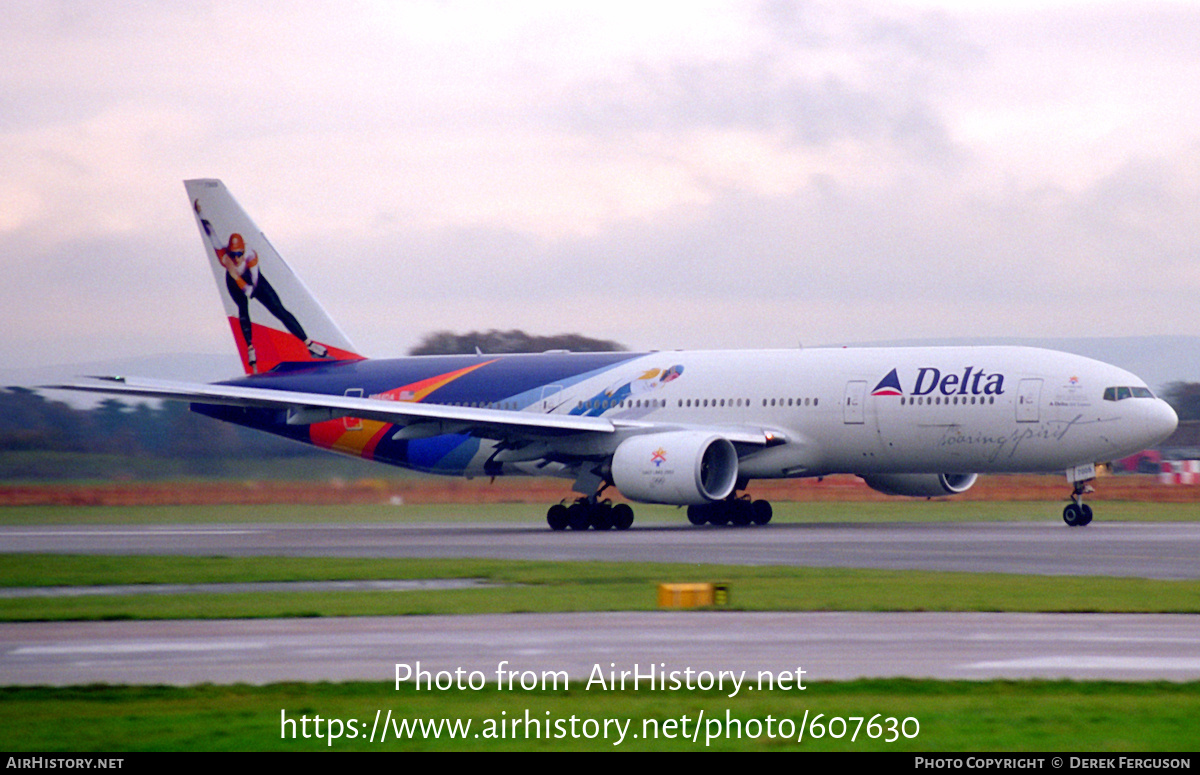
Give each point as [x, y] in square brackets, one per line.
[691, 175]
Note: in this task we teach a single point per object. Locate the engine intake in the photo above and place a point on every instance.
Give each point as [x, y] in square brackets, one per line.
[920, 485]
[678, 468]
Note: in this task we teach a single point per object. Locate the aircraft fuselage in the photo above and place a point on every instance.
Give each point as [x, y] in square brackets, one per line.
[848, 410]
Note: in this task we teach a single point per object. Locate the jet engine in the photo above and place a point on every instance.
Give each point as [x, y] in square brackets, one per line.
[678, 468]
[920, 485]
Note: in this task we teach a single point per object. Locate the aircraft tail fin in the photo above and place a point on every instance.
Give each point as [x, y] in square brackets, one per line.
[274, 317]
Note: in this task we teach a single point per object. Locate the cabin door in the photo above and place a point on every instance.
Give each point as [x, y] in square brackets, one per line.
[852, 406]
[1029, 398]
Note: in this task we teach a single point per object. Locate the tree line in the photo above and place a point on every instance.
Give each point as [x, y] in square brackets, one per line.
[515, 341]
[1184, 397]
[30, 422]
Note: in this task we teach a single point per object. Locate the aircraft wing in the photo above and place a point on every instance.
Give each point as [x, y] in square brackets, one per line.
[418, 418]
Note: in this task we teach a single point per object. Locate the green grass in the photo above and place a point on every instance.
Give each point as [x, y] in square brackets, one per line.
[543, 586]
[952, 716]
[535, 514]
[274, 513]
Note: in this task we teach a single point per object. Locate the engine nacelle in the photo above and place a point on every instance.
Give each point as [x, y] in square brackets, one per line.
[921, 485]
[678, 468]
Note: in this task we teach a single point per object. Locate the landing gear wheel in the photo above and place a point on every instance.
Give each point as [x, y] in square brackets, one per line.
[698, 515]
[556, 517]
[622, 516]
[762, 512]
[600, 516]
[577, 516]
[1078, 513]
[718, 513]
[740, 512]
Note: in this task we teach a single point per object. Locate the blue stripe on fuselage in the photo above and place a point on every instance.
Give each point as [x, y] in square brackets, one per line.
[506, 377]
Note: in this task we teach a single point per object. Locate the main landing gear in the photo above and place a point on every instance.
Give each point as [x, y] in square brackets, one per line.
[590, 512]
[734, 510]
[1077, 513]
[601, 514]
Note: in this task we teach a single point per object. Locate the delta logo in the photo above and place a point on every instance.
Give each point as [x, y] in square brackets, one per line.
[889, 386]
[972, 381]
[658, 457]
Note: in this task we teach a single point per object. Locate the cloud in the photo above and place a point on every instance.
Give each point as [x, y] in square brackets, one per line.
[735, 174]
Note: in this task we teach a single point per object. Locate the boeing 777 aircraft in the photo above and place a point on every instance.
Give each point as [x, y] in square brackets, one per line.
[683, 428]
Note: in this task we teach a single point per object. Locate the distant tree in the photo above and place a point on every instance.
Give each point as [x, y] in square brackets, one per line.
[1184, 397]
[498, 342]
[29, 421]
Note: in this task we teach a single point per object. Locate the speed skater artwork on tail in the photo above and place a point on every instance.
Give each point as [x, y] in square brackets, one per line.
[242, 260]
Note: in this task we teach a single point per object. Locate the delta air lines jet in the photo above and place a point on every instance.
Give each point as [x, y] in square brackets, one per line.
[683, 428]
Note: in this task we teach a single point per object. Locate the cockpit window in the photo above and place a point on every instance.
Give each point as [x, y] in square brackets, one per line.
[1121, 393]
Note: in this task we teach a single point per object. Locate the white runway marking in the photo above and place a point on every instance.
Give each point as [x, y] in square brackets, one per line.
[1083, 662]
[136, 648]
[150, 531]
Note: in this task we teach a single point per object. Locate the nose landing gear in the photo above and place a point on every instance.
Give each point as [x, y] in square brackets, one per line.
[1077, 513]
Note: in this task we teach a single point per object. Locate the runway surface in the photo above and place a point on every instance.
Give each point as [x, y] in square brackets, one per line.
[826, 646]
[1142, 549]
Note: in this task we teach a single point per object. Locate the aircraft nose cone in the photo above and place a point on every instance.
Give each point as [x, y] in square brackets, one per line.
[1163, 421]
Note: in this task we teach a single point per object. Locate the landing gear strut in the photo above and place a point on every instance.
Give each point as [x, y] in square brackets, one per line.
[734, 510]
[1077, 513]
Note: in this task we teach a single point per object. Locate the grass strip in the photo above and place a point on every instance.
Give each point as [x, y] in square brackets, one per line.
[952, 716]
[545, 586]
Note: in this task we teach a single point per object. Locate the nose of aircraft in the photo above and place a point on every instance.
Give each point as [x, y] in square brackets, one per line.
[1162, 421]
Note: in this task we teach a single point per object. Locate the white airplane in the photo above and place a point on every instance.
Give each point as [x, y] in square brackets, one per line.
[682, 428]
